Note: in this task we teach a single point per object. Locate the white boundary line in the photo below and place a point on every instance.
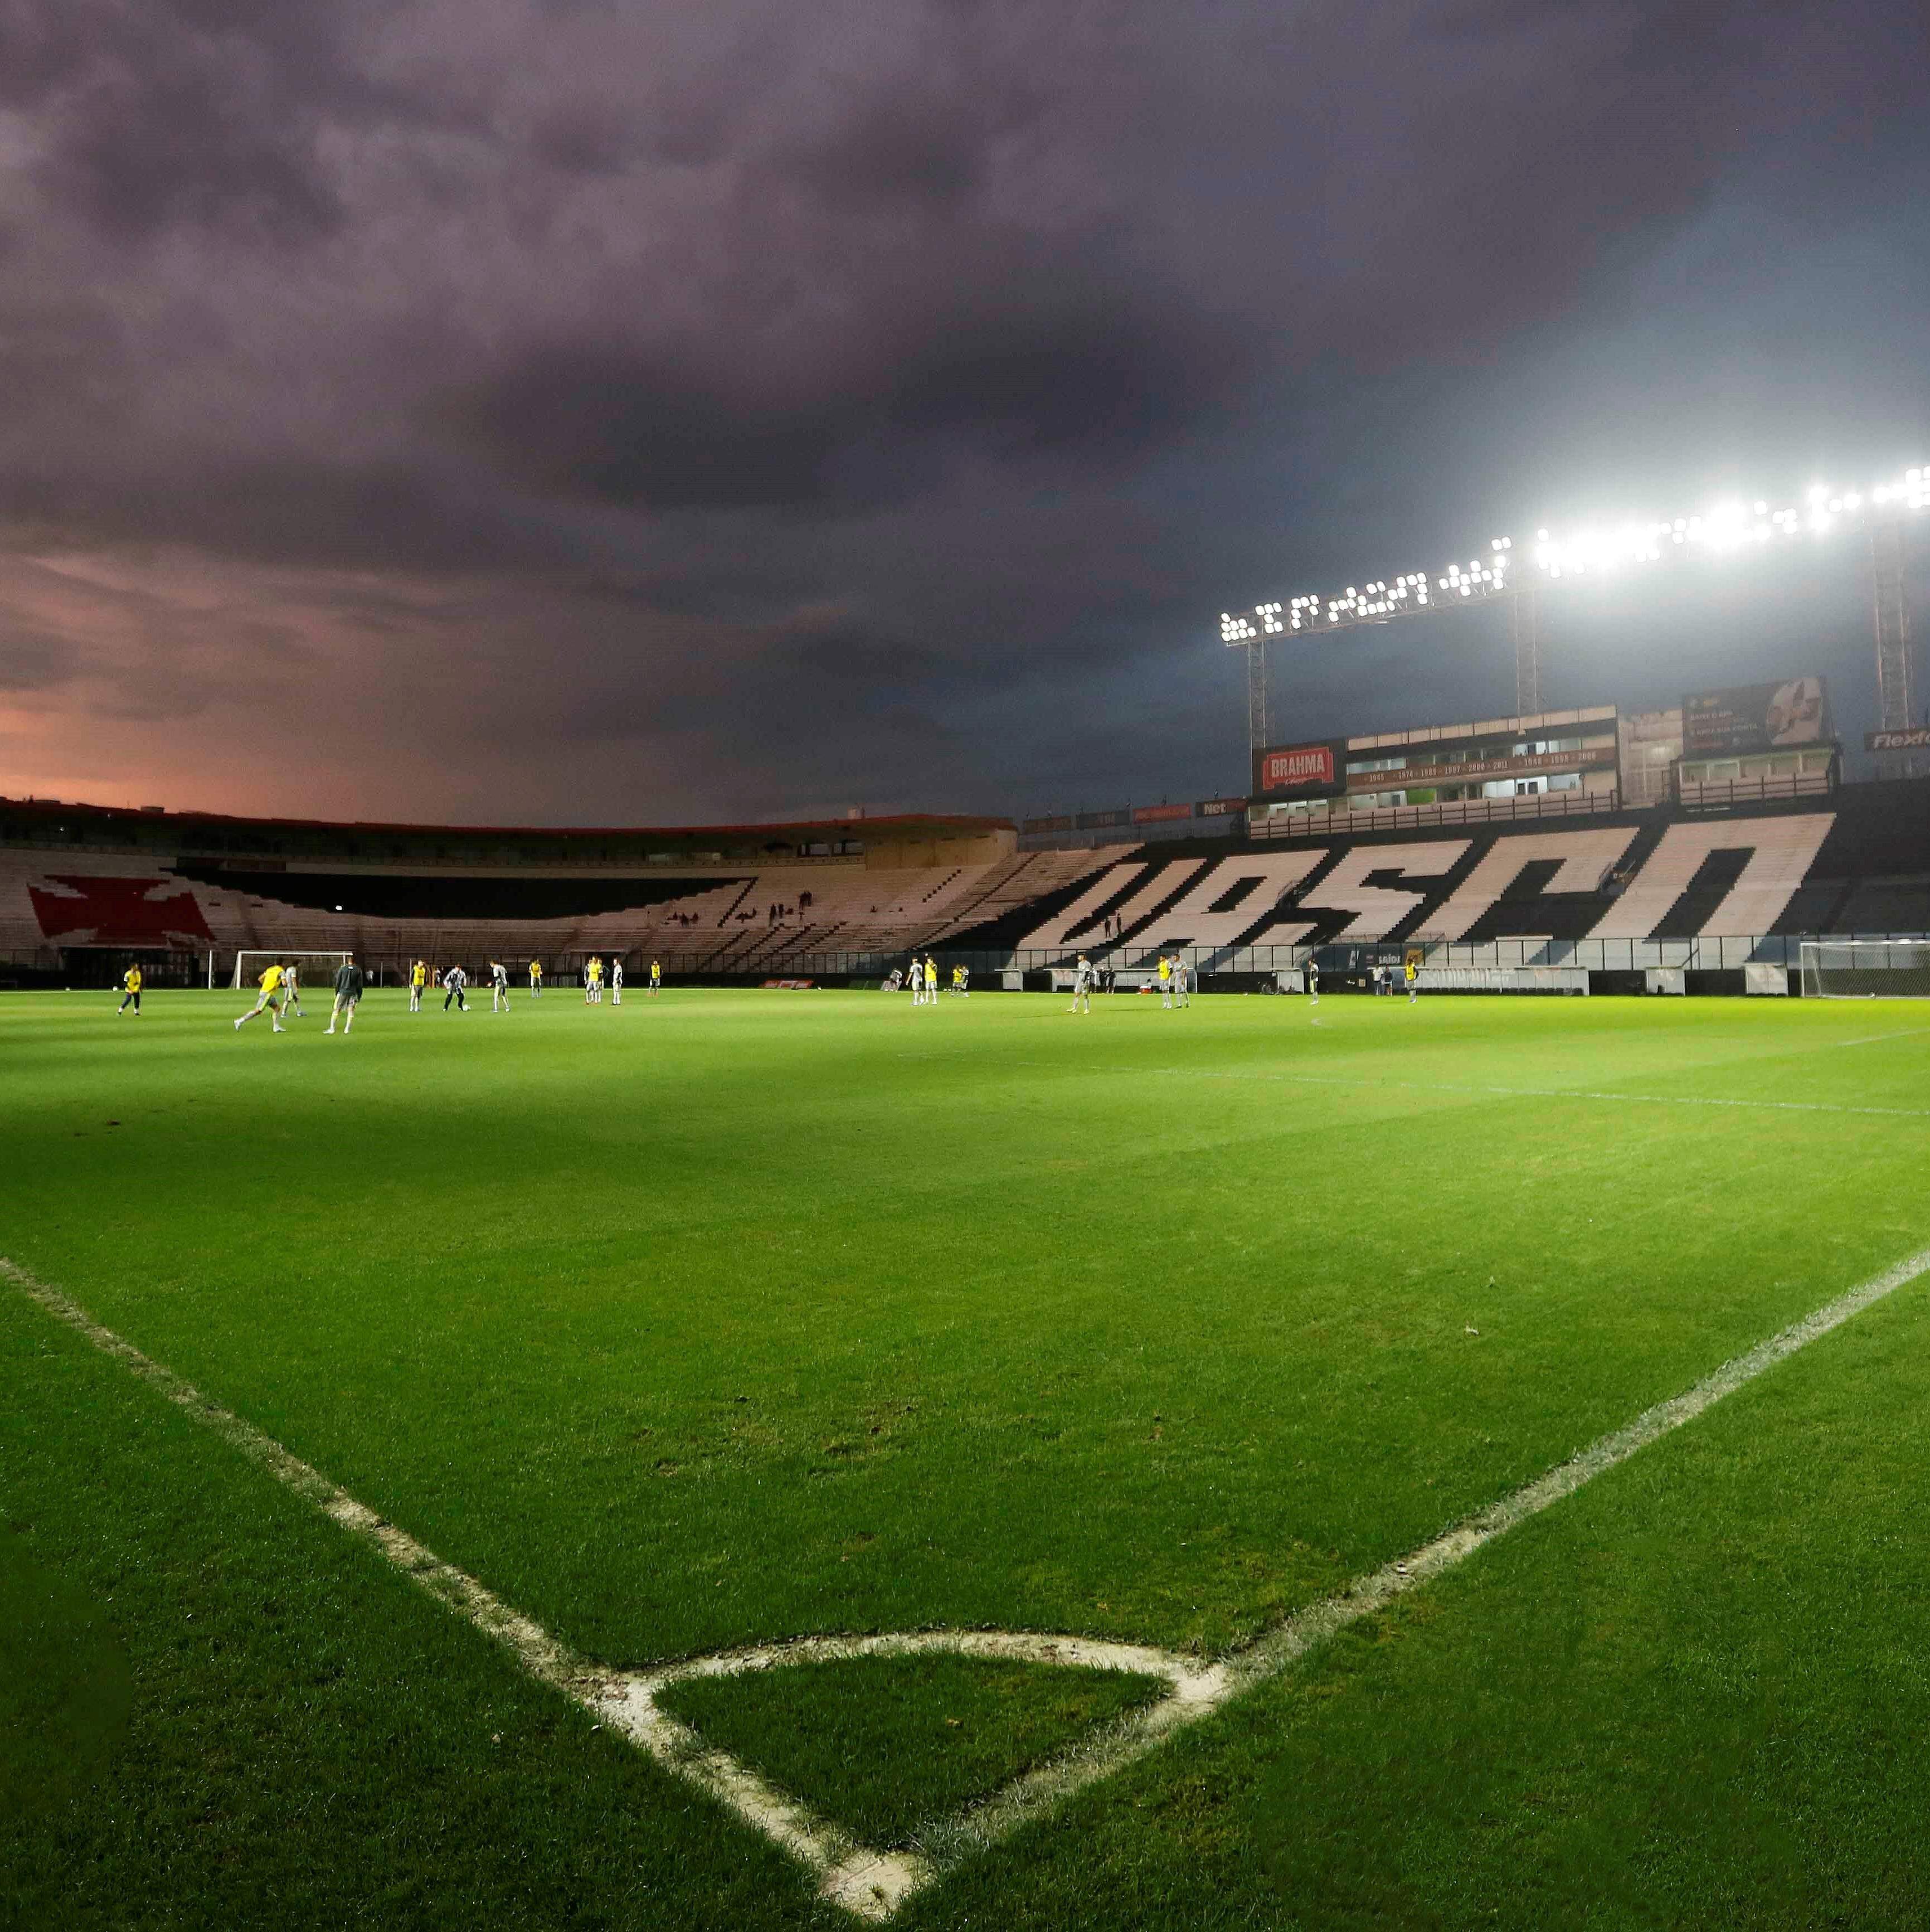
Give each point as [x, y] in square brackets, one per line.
[872, 1883]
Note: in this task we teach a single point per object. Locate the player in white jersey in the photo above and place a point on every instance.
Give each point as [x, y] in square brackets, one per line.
[616, 982]
[1314, 978]
[499, 987]
[1082, 985]
[454, 981]
[1181, 980]
[917, 981]
[291, 987]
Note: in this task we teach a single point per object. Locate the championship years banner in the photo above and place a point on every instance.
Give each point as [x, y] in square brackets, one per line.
[1756, 718]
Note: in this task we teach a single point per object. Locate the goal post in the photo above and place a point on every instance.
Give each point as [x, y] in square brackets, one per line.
[1865, 969]
[250, 966]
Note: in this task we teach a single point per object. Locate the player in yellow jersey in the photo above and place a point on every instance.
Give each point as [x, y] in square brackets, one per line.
[130, 990]
[535, 979]
[1413, 970]
[1165, 981]
[930, 980]
[418, 978]
[593, 983]
[656, 977]
[270, 1000]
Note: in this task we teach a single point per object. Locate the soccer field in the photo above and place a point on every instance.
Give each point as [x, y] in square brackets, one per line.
[726, 1318]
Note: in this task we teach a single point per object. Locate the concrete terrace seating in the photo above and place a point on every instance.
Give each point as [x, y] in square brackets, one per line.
[1582, 860]
[1377, 910]
[1781, 851]
[1252, 882]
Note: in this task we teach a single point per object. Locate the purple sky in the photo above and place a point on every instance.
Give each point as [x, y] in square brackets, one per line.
[563, 411]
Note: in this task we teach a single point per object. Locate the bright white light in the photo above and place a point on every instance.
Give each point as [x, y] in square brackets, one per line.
[1723, 529]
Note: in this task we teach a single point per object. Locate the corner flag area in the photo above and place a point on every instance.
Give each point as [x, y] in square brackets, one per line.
[764, 1459]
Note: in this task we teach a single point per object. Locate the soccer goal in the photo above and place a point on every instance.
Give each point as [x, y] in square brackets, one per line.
[318, 969]
[1865, 969]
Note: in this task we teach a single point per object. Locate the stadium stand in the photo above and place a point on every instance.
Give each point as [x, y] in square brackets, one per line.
[81, 887]
[1719, 876]
[1370, 884]
[1546, 863]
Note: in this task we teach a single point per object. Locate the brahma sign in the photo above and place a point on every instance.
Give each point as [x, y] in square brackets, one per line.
[1299, 771]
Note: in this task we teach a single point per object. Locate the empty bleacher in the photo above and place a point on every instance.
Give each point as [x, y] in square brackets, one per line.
[1862, 866]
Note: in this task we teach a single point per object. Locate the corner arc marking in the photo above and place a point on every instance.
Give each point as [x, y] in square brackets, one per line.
[870, 1883]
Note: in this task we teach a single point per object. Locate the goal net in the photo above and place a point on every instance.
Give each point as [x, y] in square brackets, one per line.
[318, 970]
[1865, 969]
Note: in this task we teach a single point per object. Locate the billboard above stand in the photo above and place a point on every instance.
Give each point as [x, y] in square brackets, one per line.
[1301, 771]
[1745, 717]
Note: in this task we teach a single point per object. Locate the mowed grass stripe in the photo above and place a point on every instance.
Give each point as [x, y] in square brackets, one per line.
[704, 1322]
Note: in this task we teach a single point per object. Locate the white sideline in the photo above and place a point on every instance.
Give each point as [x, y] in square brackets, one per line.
[870, 1883]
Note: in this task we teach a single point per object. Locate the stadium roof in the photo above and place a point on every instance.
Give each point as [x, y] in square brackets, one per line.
[915, 823]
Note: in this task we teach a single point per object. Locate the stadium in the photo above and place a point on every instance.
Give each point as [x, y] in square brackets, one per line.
[594, 1338]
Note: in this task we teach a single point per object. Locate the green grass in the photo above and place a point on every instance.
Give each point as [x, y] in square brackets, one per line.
[887, 1744]
[733, 1317]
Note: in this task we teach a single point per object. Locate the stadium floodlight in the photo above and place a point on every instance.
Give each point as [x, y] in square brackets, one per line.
[1730, 527]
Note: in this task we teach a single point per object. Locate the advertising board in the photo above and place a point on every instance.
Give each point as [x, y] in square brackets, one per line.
[1755, 718]
[1300, 771]
[1916, 739]
[1156, 815]
[1219, 808]
[1098, 821]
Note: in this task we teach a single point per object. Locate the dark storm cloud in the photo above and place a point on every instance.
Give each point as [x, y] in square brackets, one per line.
[877, 401]
[1055, 372]
[191, 112]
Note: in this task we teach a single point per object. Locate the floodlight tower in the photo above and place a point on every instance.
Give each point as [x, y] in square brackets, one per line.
[1727, 528]
[1895, 710]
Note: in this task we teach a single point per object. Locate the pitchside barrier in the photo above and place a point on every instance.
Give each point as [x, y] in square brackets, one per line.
[995, 968]
[1858, 964]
